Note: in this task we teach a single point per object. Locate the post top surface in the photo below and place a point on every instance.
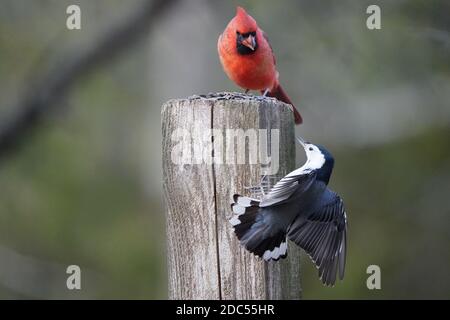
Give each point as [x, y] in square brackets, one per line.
[221, 96]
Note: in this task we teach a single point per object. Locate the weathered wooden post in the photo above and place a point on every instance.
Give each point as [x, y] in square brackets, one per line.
[201, 174]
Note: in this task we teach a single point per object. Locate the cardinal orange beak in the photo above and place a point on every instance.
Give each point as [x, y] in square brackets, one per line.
[249, 42]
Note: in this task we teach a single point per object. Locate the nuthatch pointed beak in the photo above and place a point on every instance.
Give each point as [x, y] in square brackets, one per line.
[250, 42]
[302, 142]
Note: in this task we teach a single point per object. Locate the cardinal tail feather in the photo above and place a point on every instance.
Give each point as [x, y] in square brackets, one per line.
[281, 95]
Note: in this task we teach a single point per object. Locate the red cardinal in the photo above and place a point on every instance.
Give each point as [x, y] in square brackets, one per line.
[248, 60]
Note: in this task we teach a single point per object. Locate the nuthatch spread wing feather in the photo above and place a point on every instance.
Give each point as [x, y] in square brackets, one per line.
[302, 208]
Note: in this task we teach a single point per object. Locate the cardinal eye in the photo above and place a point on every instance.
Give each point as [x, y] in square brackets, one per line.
[253, 33]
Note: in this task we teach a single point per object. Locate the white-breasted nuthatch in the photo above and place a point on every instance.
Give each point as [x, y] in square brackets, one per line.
[302, 208]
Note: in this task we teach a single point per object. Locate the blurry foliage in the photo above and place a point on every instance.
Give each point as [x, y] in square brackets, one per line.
[86, 187]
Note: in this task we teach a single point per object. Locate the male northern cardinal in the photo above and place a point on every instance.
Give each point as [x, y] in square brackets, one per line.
[248, 59]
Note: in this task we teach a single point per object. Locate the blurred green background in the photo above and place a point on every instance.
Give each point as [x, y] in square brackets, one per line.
[85, 187]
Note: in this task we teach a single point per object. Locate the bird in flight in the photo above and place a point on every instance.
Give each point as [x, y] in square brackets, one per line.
[248, 60]
[302, 208]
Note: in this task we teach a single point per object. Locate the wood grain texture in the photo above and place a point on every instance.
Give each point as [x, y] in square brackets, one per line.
[205, 260]
[189, 194]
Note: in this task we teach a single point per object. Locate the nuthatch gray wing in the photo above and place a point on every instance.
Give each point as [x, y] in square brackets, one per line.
[302, 208]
